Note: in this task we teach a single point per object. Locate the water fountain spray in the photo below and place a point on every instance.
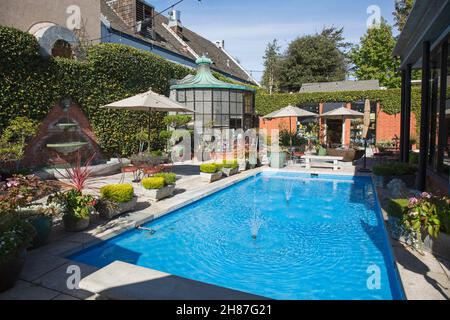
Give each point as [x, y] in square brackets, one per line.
[288, 188]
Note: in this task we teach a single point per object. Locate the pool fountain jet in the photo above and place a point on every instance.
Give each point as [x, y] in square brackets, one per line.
[255, 225]
[288, 188]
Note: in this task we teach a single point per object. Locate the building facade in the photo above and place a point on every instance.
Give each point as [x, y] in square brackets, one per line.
[423, 44]
[70, 23]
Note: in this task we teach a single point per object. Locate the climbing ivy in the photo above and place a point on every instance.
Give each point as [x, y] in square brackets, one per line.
[390, 100]
[31, 85]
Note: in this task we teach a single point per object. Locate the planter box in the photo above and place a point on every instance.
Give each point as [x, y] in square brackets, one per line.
[243, 165]
[277, 160]
[210, 177]
[109, 211]
[230, 171]
[11, 269]
[158, 194]
[383, 181]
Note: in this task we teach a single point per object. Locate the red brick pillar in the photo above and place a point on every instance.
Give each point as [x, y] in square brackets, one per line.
[321, 124]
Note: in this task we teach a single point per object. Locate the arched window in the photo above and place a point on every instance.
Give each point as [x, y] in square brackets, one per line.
[62, 49]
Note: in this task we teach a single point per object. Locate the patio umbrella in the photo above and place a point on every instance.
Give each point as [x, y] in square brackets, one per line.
[366, 118]
[290, 112]
[342, 113]
[148, 101]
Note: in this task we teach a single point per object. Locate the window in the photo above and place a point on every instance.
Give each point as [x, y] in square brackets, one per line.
[62, 49]
[143, 13]
[248, 103]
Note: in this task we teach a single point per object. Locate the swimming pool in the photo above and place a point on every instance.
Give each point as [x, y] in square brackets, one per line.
[277, 235]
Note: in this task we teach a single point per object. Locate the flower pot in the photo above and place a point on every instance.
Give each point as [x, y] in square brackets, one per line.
[43, 226]
[230, 171]
[11, 269]
[277, 160]
[76, 225]
[158, 194]
[210, 177]
[110, 210]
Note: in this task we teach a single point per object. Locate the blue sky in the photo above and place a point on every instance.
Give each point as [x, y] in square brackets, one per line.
[248, 25]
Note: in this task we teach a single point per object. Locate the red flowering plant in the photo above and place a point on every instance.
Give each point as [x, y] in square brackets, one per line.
[76, 205]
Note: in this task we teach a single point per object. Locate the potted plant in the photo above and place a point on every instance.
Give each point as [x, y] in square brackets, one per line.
[76, 208]
[230, 168]
[385, 173]
[159, 187]
[116, 199]
[210, 172]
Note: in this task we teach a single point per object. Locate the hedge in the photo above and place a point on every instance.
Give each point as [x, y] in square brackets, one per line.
[153, 183]
[119, 193]
[209, 168]
[169, 177]
[390, 99]
[31, 85]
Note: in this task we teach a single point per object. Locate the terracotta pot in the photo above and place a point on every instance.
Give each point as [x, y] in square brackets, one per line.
[10, 270]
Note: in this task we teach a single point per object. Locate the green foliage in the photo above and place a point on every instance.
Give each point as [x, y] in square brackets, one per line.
[14, 137]
[230, 164]
[401, 13]
[314, 58]
[169, 177]
[272, 59]
[31, 85]
[423, 215]
[153, 183]
[396, 207]
[414, 158]
[209, 168]
[373, 59]
[118, 193]
[287, 136]
[177, 121]
[76, 206]
[394, 169]
[389, 99]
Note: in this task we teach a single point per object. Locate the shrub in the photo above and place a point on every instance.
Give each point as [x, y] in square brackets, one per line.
[118, 193]
[153, 183]
[209, 168]
[413, 158]
[169, 178]
[230, 164]
[396, 207]
[394, 169]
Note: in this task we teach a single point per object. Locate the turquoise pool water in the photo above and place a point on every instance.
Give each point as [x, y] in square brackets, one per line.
[277, 235]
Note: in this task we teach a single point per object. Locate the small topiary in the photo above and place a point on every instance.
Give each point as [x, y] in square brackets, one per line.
[153, 183]
[118, 193]
[233, 164]
[209, 168]
[169, 177]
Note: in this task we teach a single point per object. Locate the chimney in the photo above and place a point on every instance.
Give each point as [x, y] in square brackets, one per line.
[175, 21]
[220, 44]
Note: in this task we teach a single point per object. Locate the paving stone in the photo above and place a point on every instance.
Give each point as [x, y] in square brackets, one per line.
[37, 265]
[27, 291]
[57, 280]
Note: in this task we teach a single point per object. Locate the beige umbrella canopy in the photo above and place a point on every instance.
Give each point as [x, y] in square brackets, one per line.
[342, 113]
[148, 101]
[366, 118]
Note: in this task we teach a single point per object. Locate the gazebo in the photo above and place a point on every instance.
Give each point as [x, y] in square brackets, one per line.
[217, 104]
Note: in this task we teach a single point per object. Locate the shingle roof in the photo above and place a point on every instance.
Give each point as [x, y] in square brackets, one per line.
[341, 86]
[165, 39]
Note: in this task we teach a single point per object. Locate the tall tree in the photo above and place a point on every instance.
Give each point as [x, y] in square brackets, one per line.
[271, 64]
[372, 58]
[314, 58]
[402, 10]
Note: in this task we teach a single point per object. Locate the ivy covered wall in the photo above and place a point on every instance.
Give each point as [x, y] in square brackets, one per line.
[31, 85]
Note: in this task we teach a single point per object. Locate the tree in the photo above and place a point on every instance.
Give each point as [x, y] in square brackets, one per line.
[314, 58]
[372, 58]
[402, 10]
[271, 63]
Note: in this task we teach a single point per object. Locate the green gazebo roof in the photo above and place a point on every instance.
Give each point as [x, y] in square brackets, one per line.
[205, 79]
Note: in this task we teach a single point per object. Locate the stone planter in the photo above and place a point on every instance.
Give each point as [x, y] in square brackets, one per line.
[210, 177]
[383, 181]
[158, 194]
[243, 165]
[109, 210]
[10, 270]
[230, 171]
[43, 226]
[277, 160]
[73, 225]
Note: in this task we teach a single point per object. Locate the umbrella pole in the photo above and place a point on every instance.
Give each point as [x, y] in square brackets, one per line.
[290, 129]
[149, 128]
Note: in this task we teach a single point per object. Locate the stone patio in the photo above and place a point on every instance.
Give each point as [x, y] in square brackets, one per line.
[45, 273]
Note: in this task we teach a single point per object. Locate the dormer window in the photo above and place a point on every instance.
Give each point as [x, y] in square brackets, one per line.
[144, 12]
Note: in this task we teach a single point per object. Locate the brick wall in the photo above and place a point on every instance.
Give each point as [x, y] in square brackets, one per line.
[388, 126]
[36, 152]
[125, 9]
[277, 124]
